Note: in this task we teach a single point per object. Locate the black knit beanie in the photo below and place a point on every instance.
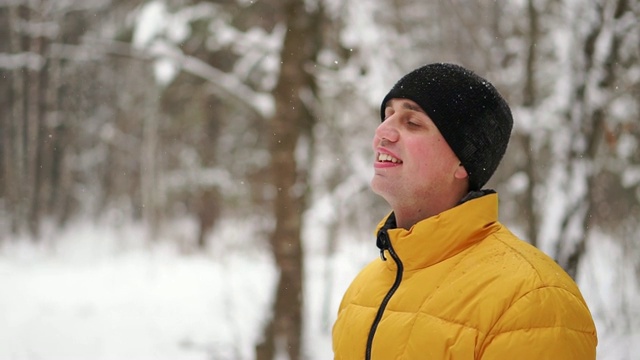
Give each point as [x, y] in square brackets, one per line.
[473, 118]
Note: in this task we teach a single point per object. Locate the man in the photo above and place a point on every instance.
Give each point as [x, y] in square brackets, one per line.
[452, 282]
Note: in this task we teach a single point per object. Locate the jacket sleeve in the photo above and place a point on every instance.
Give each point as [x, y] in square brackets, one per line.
[546, 323]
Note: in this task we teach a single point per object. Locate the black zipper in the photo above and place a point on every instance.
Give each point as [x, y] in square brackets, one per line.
[384, 244]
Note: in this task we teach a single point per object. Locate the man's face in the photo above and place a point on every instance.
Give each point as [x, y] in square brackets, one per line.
[414, 166]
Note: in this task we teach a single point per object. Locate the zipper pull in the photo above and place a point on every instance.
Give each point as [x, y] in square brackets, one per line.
[382, 241]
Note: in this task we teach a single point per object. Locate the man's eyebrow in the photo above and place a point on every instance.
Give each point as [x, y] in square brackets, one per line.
[409, 106]
[405, 105]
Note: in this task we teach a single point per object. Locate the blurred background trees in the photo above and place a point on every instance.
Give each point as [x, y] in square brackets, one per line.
[262, 111]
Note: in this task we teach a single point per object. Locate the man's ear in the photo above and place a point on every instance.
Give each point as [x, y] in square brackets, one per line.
[461, 172]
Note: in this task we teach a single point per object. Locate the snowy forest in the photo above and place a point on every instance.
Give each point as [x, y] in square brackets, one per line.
[184, 179]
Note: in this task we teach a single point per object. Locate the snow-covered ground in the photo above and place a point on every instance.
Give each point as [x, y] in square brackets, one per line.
[88, 299]
[94, 295]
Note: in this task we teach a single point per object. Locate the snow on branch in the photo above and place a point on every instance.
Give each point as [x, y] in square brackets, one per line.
[10, 3]
[261, 103]
[45, 29]
[157, 32]
[29, 60]
[60, 6]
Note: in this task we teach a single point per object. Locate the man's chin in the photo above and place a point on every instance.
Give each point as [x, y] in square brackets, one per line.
[382, 190]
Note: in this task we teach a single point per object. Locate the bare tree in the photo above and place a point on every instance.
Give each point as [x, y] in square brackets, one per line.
[595, 75]
[530, 101]
[283, 334]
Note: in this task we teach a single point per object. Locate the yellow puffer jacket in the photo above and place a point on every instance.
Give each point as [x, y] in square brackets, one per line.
[460, 285]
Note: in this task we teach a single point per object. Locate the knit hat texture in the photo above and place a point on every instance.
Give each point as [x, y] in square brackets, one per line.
[469, 112]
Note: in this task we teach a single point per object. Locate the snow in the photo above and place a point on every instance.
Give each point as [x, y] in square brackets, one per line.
[116, 301]
[29, 60]
[100, 291]
[165, 70]
[105, 291]
[631, 176]
[623, 347]
[150, 23]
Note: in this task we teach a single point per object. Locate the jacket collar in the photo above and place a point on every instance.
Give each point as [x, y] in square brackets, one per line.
[444, 235]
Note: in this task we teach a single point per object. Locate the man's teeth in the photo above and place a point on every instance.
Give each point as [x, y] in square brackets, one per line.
[387, 157]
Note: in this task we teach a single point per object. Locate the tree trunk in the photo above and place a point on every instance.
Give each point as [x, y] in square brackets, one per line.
[209, 197]
[587, 120]
[6, 99]
[283, 335]
[151, 204]
[529, 102]
[15, 130]
[38, 142]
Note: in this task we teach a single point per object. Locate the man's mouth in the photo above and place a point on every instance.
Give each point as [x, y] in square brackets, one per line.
[388, 158]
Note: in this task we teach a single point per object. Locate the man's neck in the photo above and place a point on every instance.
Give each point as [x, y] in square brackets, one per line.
[407, 217]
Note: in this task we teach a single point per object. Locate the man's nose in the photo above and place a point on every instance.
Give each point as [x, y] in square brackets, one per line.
[388, 130]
